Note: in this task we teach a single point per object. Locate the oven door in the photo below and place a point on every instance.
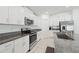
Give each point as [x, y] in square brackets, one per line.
[32, 38]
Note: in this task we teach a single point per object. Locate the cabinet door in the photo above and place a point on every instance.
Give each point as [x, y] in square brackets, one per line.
[16, 15]
[3, 14]
[13, 15]
[19, 46]
[22, 45]
[21, 15]
[26, 43]
[7, 47]
[38, 36]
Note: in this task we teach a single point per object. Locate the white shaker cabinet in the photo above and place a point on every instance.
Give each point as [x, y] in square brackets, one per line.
[21, 15]
[16, 15]
[39, 35]
[26, 43]
[7, 47]
[19, 45]
[4, 14]
[22, 44]
[13, 15]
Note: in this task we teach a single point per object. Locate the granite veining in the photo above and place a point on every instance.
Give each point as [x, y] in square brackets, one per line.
[7, 37]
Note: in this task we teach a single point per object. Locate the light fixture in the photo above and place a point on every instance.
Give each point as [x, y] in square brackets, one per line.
[45, 15]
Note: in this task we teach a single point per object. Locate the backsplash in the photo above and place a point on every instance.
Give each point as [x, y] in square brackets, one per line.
[4, 28]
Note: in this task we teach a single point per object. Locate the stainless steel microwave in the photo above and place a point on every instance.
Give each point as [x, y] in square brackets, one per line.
[29, 22]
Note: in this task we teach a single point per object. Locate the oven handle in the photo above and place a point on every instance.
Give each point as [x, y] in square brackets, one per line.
[32, 34]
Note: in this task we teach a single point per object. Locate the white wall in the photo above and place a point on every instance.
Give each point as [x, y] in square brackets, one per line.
[53, 20]
[65, 16]
[76, 20]
[42, 22]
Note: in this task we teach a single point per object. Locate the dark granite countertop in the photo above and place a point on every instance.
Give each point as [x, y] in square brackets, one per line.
[7, 37]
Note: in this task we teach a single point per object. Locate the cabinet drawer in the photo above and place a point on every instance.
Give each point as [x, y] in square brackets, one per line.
[7, 47]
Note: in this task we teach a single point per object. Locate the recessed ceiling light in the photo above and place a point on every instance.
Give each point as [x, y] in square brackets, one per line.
[44, 16]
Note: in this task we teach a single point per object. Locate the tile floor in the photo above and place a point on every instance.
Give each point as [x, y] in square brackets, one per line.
[67, 46]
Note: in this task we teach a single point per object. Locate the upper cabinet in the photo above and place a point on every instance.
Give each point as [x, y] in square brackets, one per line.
[21, 15]
[15, 14]
[4, 14]
[29, 13]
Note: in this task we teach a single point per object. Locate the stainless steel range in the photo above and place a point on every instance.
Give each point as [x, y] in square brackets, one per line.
[32, 36]
[32, 39]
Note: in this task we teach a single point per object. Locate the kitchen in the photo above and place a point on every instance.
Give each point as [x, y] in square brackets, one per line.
[39, 29]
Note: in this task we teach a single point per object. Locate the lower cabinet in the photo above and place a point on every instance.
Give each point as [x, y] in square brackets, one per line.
[22, 45]
[38, 36]
[26, 43]
[7, 47]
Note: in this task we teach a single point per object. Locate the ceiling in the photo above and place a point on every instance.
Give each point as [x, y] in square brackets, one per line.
[38, 10]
